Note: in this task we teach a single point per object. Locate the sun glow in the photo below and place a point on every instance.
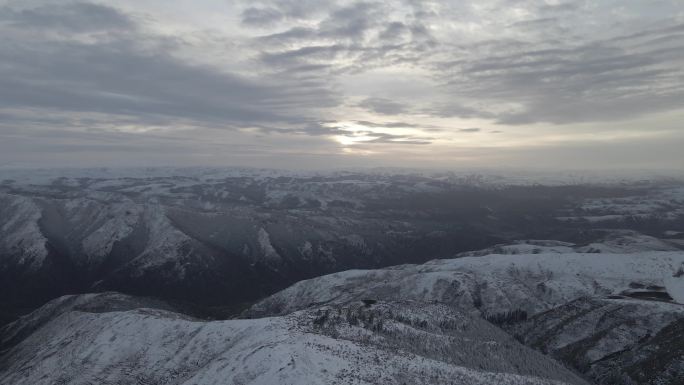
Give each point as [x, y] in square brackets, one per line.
[352, 140]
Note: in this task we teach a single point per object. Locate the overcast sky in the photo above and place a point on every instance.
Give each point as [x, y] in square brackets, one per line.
[316, 84]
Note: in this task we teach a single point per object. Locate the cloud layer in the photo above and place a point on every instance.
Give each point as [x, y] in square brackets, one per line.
[354, 82]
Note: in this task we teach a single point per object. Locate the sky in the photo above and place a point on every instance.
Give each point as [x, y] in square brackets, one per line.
[332, 84]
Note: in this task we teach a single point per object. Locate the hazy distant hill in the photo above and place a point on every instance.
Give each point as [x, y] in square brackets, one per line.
[233, 236]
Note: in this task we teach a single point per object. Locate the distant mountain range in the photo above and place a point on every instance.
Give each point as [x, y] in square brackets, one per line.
[227, 239]
[345, 278]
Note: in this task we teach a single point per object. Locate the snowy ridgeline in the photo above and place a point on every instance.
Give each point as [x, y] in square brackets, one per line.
[75, 340]
[493, 284]
[602, 303]
[614, 340]
[66, 231]
[616, 318]
[480, 176]
[606, 315]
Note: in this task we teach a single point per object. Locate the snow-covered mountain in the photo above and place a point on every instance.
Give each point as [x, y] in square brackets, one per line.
[489, 285]
[228, 237]
[424, 279]
[613, 241]
[612, 340]
[607, 315]
[459, 321]
[114, 339]
[612, 317]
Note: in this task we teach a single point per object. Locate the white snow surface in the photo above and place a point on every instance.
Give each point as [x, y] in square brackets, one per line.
[489, 284]
[607, 333]
[269, 254]
[21, 235]
[675, 287]
[615, 241]
[151, 346]
[116, 221]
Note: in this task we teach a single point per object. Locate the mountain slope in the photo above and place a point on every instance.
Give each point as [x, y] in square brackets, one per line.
[612, 340]
[491, 285]
[365, 343]
[613, 317]
[229, 237]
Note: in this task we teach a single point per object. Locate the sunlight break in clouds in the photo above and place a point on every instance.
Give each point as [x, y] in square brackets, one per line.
[452, 84]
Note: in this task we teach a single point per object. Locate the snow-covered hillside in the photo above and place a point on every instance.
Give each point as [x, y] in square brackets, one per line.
[21, 243]
[609, 316]
[230, 236]
[612, 340]
[559, 266]
[81, 340]
[490, 284]
[614, 317]
[613, 241]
